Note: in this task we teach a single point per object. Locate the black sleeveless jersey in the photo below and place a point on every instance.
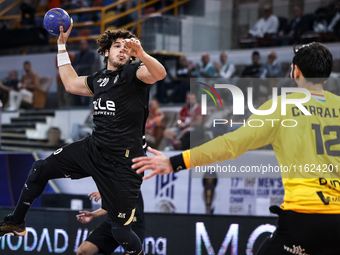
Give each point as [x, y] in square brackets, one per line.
[120, 111]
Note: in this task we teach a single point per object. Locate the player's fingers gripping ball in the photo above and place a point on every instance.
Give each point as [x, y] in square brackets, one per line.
[132, 42]
[55, 18]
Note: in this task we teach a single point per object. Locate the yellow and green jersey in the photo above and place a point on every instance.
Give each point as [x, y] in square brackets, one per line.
[310, 149]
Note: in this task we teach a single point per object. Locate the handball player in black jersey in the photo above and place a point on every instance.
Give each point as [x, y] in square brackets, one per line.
[120, 100]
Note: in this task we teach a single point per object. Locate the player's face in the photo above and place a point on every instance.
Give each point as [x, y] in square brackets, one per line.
[117, 58]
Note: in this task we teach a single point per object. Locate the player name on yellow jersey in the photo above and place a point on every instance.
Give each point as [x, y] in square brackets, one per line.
[322, 112]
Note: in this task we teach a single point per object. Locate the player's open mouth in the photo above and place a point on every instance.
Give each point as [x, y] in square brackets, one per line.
[121, 57]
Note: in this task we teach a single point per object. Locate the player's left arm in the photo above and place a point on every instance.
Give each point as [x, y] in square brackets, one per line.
[95, 195]
[152, 70]
[86, 216]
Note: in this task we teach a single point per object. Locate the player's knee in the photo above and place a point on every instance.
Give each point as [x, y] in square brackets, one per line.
[35, 171]
[80, 251]
[83, 250]
[40, 173]
[127, 239]
[33, 186]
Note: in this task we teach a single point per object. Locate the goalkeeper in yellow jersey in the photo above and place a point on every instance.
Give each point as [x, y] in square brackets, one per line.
[309, 218]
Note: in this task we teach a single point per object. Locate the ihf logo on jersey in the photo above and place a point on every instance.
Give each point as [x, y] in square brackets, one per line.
[165, 192]
[238, 106]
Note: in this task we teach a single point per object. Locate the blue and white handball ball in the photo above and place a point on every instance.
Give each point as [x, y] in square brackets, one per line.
[55, 18]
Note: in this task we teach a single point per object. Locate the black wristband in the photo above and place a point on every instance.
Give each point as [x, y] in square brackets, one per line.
[177, 162]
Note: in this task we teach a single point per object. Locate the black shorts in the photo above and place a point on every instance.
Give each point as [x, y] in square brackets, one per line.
[103, 239]
[302, 233]
[118, 183]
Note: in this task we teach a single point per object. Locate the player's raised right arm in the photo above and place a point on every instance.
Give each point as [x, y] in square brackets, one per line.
[72, 82]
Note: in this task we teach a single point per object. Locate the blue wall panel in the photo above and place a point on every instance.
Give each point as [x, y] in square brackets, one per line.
[14, 168]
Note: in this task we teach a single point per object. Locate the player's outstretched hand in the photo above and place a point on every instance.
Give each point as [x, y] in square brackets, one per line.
[134, 48]
[159, 164]
[64, 36]
[84, 217]
[96, 195]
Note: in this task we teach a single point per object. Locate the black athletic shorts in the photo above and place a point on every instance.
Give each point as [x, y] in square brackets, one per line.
[302, 233]
[102, 235]
[118, 183]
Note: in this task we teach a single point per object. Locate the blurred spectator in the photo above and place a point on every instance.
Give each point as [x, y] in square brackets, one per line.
[123, 20]
[28, 10]
[29, 82]
[206, 70]
[64, 98]
[293, 31]
[320, 22]
[68, 5]
[154, 126]
[334, 23]
[81, 3]
[83, 62]
[272, 68]
[225, 69]
[255, 70]
[217, 112]
[51, 4]
[190, 120]
[80, 131]
[97, 3]
[163, 4]
[267, 25]
[179, 83]
[8, 84]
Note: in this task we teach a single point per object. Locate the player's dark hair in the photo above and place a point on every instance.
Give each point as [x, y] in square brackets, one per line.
[315, 62]
[110, 36]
